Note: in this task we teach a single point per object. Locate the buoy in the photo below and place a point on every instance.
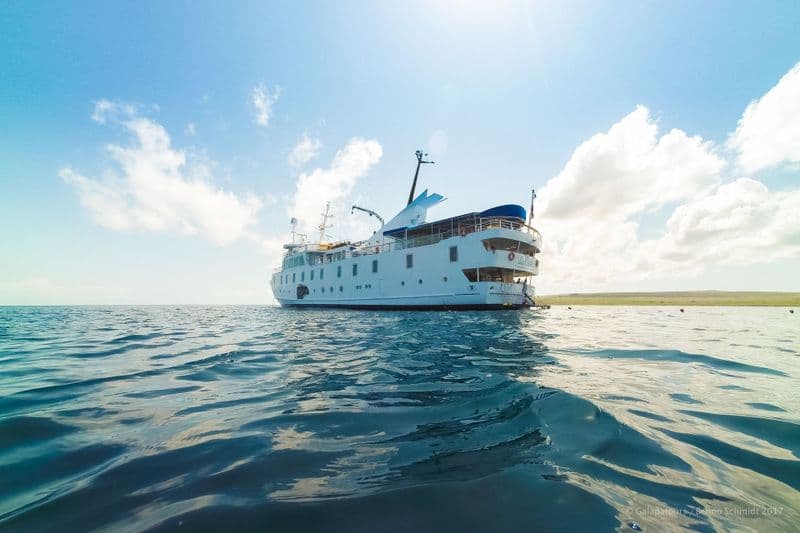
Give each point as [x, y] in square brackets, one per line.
[791, 311]
[568, 307]
[681, 309]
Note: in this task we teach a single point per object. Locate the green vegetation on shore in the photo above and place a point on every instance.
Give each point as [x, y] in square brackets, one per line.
[684, 298]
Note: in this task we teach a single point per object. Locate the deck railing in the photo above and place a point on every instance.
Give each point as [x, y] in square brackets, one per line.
[461, 229]
[458, 229]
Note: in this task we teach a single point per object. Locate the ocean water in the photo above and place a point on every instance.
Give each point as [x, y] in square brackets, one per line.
[268, 419]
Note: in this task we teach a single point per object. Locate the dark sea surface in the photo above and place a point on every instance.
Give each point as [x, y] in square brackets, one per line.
[267, 419]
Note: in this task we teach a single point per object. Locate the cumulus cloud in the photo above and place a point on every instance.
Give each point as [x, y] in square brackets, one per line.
[741, 222]
[304, 151]
[334, 183]
[769, 130]
[592, 213]
[152, 186]
[263, 99]
[629, 169]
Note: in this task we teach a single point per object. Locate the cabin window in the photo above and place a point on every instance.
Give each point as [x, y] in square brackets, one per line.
[453, 254]
[312, 275]
[355, 269]
[340, 288]
[303, 275]
[294, 277]
[409, 260]
[339, 271]
[374, 265]
[321, 273]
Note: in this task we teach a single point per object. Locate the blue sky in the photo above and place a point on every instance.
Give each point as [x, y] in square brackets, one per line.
[503, 94]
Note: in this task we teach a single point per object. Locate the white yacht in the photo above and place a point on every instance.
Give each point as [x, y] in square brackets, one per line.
[479, 260]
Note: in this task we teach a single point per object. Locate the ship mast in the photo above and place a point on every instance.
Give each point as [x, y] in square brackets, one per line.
[530, 213]
[419, 155]
[324, 224]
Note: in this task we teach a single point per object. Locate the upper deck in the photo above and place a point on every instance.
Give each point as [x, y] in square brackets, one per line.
[502, 217]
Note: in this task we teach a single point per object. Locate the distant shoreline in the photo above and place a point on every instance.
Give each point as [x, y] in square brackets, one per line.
[682, 298]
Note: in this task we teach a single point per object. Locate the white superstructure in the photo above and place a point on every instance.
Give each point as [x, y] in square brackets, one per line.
[479, 260]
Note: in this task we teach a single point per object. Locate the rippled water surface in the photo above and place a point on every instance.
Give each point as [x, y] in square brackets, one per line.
[259, 418]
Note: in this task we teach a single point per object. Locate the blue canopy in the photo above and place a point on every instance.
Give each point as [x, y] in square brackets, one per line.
[508, 210]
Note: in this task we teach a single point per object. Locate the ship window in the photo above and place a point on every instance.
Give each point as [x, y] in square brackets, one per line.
[453, 254]
[471, 274]
[409, 260]
[312, 274]
[323, 289]
[420, 282]
[340, 288]
[355, 269]
[374, 265]
[339, 271]
[321, 273]
[509, 245]
[331, 289]
[303, 275]
[294, 277]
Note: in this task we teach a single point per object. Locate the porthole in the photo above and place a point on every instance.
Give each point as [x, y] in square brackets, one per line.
[402, 283]
[445, 279]
[341, 288]
[420, 282]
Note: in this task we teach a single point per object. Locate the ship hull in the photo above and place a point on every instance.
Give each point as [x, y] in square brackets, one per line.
[431, 277]
[421, 307]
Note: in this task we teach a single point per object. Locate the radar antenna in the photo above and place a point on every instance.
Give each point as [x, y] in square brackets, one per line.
[419, 155]
[370, 212]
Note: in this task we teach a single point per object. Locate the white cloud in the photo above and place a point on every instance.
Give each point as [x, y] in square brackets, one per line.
[741, 222]
[591, 213]
[304, 151]
[769, 130]
[332, 184]
[263, 99]
[104, 109]
[152, 186]
[630, 169]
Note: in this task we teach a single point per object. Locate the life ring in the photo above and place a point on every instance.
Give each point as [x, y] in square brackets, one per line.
[510, 256]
